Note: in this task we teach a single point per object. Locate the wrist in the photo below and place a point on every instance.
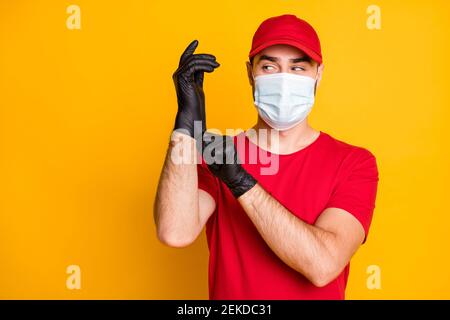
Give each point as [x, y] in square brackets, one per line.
[243, 183]
[249, 197]
[182, 148]
[180, 136]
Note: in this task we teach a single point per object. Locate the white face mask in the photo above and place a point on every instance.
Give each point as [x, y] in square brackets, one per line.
[284, 100]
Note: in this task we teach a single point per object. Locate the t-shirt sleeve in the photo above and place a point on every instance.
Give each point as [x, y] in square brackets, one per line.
[206, 180]
[356, 193]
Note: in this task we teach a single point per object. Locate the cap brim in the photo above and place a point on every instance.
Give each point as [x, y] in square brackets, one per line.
[313, 55]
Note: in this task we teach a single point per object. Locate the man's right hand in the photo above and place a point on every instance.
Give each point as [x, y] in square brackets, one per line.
[188, 79]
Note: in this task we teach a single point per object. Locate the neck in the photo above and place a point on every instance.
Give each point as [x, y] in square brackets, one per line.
[289, 141]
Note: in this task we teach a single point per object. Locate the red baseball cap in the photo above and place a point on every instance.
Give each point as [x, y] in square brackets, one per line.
[290, 30]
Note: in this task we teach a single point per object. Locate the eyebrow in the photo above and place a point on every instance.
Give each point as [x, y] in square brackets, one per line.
[305, 58]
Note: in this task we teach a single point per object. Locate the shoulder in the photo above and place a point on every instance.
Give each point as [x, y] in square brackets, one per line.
[346, 152]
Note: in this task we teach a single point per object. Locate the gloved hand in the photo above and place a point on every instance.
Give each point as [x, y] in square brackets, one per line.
[221, 157]
[188, 79]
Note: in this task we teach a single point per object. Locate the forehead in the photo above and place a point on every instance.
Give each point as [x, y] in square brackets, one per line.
[282, 51]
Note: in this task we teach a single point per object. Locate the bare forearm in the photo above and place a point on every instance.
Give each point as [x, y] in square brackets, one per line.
[176, 204]
[304, 247]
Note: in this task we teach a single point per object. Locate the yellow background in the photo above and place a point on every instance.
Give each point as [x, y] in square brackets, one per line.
[86, 116]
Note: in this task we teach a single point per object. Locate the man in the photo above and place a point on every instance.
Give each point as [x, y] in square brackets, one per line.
[287, 235]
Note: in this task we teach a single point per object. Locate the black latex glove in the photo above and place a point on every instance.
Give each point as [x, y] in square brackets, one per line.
[221, 157]
[188, 79]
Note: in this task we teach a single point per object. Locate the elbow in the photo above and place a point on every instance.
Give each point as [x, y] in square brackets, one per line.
[170, 236]
[322, 276]
[175, 239]
[170, 232]
[320, 281]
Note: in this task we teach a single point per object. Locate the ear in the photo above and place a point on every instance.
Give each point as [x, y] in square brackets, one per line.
[249, 73]
[319, 73]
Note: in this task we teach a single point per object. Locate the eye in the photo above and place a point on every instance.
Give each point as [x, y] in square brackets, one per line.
[298, 68]
[268, 67]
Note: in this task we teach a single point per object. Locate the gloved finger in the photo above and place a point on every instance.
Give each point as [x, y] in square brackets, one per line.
[200, 62]
[198, 77]
[189, 68]
[204, 56]
[195, 57]
[188, 52]
[197, 68]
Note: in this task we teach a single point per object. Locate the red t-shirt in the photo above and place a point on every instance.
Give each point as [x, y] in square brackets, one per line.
[326, 173]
